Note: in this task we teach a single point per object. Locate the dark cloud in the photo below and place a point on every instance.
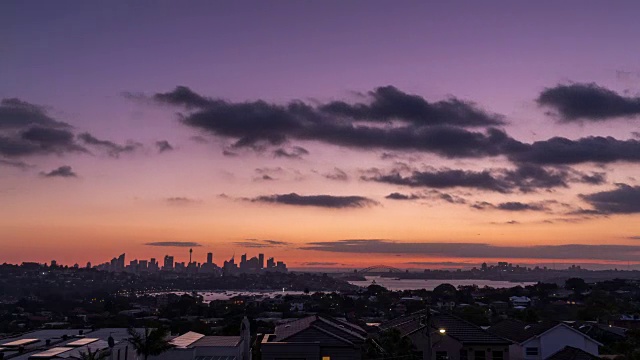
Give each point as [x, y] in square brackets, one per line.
[391, 121]
[511, 206]
[62, 171]
[174, 244]
[15, 164]
[261, 243]
[449, 198]
[525, 178]
[634, 237]
[259, 124]
[112, 149]
[478, 250]
[325, 201]
[18, 114]
[295, 152]
[596, 178]
[38, 141]
[26, 130]
[399, 196]
[337, 174]
[183, 96]
[181, 200]
[443, 178]
[623, 200]
[264, 177]
[277, 173]
[163, 145]
[389, 103]
[589, 102]
[562, 151]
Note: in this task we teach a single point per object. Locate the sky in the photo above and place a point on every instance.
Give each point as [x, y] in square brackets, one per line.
[324, 134]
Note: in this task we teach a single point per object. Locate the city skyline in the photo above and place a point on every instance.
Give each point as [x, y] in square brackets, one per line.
[326, 134]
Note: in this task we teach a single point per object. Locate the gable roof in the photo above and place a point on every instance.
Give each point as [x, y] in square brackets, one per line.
[459, 329]
[572, 353]
[338, 329]
[217, 341]
[466, 332]
[518, 331]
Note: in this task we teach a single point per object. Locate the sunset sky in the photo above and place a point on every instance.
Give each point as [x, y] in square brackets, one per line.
[324, 133]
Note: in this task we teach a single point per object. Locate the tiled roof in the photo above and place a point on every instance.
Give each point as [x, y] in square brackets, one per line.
[184, 340]
[518, 331]
[571, 353]
[461, 330]
[217, 341]
[286, 330]
[464, 331]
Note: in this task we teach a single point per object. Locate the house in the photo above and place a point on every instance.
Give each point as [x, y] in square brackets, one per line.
[313, 338]
[540, 341]
[65, 343]
[195, 346]
[520, 301]
[571, 353]
[448, 337]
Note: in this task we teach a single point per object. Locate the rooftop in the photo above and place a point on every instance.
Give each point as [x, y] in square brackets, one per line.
[571, 353]
[461, 330]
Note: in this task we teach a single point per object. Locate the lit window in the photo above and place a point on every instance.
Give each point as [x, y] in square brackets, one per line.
[326, 358]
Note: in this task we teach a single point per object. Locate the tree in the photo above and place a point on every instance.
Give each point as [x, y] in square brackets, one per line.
[390, 344]
[445, 291]
[96, 355]
[576, 284]
[152, 343]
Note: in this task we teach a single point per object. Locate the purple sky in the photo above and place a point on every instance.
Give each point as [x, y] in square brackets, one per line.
[97, 65]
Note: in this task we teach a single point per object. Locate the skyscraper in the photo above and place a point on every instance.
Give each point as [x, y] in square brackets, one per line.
[209, 258]
[168, 263]
[120, 263]
[261, 259]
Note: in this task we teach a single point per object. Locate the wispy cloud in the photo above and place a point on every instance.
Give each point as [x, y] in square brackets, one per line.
[174, 244]
[478, 250]
[181, 200]
[63, 171]
[261, 243]
[323, 201]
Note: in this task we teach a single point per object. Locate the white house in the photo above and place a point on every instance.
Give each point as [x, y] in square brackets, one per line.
[520, 301]
[540, 341]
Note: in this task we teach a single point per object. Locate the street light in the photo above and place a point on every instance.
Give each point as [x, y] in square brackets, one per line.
[442, 331]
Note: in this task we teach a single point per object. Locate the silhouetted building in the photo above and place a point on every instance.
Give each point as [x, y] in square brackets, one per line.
[314, 337]
[168, 263]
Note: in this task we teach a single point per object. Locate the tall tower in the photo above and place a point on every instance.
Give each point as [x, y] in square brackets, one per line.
[261, 260]
[209, 258]
[190, 253]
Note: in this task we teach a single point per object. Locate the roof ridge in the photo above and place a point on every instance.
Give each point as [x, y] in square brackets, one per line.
[331, 334]
[340, 327]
